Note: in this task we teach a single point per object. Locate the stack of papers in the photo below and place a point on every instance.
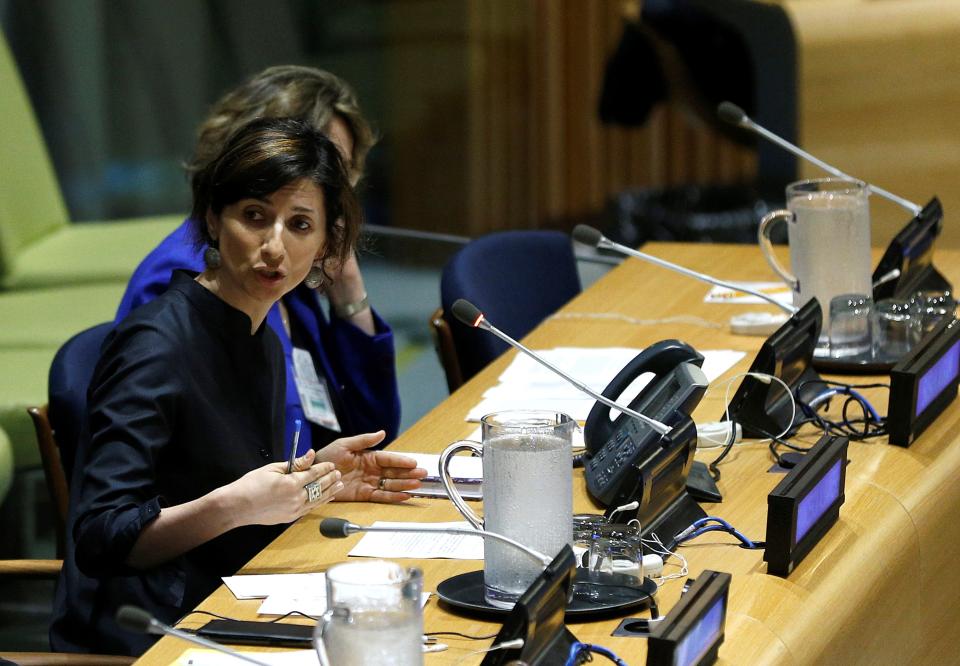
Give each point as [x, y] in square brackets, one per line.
[526, 384]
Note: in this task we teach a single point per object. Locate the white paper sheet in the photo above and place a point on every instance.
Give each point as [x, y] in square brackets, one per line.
[259, 586]
[526, 384]
[461, 466]
[198, 657]
[422, 546]
[777, 290]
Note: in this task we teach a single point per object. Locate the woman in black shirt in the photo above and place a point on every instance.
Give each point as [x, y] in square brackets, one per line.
[183, 479]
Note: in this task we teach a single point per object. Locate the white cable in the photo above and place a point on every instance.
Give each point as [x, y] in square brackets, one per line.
[506, 645]
[626, 507]
[726, 399]
[684, 567]
[681, 319]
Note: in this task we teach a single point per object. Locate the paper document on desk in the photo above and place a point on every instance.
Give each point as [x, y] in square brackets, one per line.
[306, 602]
[526, 384]
[198, 657]
[419, 546]
[260, 586]
[776, 290]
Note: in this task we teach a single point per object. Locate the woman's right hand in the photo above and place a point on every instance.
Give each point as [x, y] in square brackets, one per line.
[269, 496]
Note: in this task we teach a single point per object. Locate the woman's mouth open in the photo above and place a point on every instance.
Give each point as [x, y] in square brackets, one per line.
[270, 278]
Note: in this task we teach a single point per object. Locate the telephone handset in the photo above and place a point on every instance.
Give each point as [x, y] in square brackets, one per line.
[616, 446]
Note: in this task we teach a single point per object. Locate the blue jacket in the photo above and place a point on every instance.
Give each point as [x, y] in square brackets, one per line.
[360, 369]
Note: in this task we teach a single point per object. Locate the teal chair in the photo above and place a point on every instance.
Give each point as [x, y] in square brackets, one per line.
[39, 247]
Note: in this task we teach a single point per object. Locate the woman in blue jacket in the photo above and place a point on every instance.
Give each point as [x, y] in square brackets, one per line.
[341, 368]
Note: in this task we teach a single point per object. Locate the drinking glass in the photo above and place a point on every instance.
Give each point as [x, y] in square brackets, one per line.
[850, 325]
[374, 616]
[616, 555]
[934, 306]
[527, 495]
[896, 327]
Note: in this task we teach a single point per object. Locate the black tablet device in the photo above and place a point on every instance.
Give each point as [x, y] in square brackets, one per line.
[538, 618]
[762, 407]
[242, 632]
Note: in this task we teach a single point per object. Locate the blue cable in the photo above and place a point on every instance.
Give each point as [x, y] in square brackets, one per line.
[577, 649]
[703, 525]
[810, 407]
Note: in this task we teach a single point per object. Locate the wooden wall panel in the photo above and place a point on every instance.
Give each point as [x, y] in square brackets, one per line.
[879, 97]
[516, 141]
[557, 160]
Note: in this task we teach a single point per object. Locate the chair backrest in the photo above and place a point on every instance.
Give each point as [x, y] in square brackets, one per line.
[31, 204]
[516, 278]
[56, 478]
[446, 350]
[70, 374]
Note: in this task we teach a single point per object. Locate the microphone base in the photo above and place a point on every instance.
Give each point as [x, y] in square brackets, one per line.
[595, 594]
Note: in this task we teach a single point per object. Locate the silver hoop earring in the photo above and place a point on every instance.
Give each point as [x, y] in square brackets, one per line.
[211, 257]
[314, 279]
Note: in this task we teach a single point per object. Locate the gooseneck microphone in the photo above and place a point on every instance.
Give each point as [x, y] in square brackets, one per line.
[338, 528]
[469, 314]
[733, 114]
[140, 621]
[590, 236]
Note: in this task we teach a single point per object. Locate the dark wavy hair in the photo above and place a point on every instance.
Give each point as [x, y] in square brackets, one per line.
[267, 154]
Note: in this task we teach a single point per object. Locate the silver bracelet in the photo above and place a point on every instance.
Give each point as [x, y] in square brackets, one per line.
[349, 309]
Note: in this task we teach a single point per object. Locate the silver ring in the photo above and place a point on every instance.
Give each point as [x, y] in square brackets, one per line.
[381, 484]
[313, 491]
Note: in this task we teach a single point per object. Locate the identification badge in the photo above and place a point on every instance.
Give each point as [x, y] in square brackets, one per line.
[314, 394]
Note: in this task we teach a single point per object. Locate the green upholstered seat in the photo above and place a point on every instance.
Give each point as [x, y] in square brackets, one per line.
[6, 465]
[89, 252]
[46, 318]
[38, 244]
[24, 385]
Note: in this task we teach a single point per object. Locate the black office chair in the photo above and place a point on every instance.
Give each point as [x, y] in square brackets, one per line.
[517, 278]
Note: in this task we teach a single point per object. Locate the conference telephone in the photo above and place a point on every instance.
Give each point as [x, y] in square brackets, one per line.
[616, 448]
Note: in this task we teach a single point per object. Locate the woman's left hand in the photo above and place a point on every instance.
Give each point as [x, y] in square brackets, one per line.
[371, 476]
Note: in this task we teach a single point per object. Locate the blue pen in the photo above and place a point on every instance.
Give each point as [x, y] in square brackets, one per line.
[296, 440]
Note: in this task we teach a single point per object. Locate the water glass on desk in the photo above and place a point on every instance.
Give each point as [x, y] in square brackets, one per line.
[850, 325]
[527, 495]
[374, 616]
[934, 306]
[896, 327]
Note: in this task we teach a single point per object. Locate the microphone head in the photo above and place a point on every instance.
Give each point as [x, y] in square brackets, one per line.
[335, 528]
[466, 312]
[731, 113]
[583, 233]
[134, 619]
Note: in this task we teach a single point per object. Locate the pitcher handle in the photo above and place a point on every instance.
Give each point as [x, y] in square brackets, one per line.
[323, 623]
[450, 487]
[763, 238]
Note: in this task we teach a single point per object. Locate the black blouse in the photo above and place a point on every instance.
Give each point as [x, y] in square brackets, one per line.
[183, 400]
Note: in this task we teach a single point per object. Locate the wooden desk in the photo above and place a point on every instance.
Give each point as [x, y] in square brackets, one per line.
[880, 587]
